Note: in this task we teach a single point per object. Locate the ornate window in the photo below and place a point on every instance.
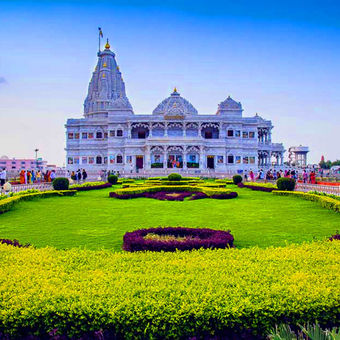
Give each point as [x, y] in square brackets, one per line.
[99, 160]
[230, 133]
[84, 160]
[230, 159]
[252, 160]
[119, 158]
[112, 133]
[70, 135]
[251, 134]
[99, 134]
[119, 134]
[238, 159]
[76, 135]
[69, 160]
[245, 160]
[84, 135]
[245, 134]
[90, 135]
[237, 133]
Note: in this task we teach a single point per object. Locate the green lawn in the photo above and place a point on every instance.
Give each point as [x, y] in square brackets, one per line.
[93, 220]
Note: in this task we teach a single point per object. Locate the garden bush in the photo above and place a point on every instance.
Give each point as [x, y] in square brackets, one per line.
[14, 243]
[113, 179]
[174, 177]
[60, 183]
[202, 294]
[135, 192]
[182, 239]
[237, 179]
[90, 186]
[266, 187]
[286, 184]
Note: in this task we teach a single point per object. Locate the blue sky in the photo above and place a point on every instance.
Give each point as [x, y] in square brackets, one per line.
[280, 59]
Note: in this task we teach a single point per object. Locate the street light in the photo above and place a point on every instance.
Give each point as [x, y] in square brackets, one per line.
[36, 158]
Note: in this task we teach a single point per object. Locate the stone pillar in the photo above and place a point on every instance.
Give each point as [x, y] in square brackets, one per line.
[201, 155]
[166, 130]
[147, 159]
[165, 160]
[150, 130]
[129, 130]
[184, 160]
[184, 131]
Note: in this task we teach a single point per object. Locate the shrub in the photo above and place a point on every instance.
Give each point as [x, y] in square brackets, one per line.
[207, 294]
[174, 177]
[60, 183]
[237, 179]
[182, 239]
[156, 165]
[14, 243]
[286, 184]
[336, 236]
[113, 179]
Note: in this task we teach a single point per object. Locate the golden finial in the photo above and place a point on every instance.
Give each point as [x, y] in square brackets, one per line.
[117, 68]
[175, 89]
[107, 45]
[104, 65]
[103, 75]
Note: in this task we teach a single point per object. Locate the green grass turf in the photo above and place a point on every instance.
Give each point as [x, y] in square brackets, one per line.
[93, 220]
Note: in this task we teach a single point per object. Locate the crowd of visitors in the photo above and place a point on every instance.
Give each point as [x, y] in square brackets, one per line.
[36, 176]
[273, 175]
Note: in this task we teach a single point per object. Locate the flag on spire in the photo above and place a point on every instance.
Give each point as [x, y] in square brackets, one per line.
[100, 32]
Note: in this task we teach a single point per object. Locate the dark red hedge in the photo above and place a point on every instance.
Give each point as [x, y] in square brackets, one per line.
[335, 237]
[14, 243]
[255, 187]
[200, 238]
[164, 195]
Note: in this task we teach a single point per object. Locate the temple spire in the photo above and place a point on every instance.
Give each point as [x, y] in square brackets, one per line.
[106, 86]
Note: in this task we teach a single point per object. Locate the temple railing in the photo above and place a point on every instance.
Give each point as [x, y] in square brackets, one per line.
[327, 189]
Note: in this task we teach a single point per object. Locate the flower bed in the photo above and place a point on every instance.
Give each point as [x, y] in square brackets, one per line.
[326, 202]
[90, 186]
[150, 191]
[266, 187]
[172, 239]
[7, 203]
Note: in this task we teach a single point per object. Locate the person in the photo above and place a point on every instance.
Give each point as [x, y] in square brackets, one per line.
[78, 175]
[73, 175]
[251, 175]
[53, 175]
[3, 176]
[22, 177]
[38, 176]
[84, 175]
[245, 175]
[305, 176]
[33, 176]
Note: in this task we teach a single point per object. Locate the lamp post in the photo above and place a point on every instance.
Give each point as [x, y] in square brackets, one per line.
[36, 158]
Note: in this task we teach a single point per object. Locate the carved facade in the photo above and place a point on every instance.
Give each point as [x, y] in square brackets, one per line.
[112, 137]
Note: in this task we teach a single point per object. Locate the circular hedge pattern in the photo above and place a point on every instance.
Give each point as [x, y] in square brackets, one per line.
[178, 238]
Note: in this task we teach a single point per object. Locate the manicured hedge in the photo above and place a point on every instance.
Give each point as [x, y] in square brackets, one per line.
[198, 238]
[266, 187]
[172, 295]
[326, 202]
[60, 183]
[134, 192]
[91, 186]
[285, 183]
[7, 203]
[237, 179]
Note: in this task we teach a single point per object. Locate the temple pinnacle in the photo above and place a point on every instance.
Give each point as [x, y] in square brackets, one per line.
[107, 45]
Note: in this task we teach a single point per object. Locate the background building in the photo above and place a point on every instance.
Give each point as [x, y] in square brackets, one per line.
[297, 155]
[112, 137]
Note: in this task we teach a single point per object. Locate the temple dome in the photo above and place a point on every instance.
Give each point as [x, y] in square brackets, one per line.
[175, 105]
[229, 106]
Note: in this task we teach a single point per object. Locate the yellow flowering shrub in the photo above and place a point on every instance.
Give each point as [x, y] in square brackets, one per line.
[167, 295]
